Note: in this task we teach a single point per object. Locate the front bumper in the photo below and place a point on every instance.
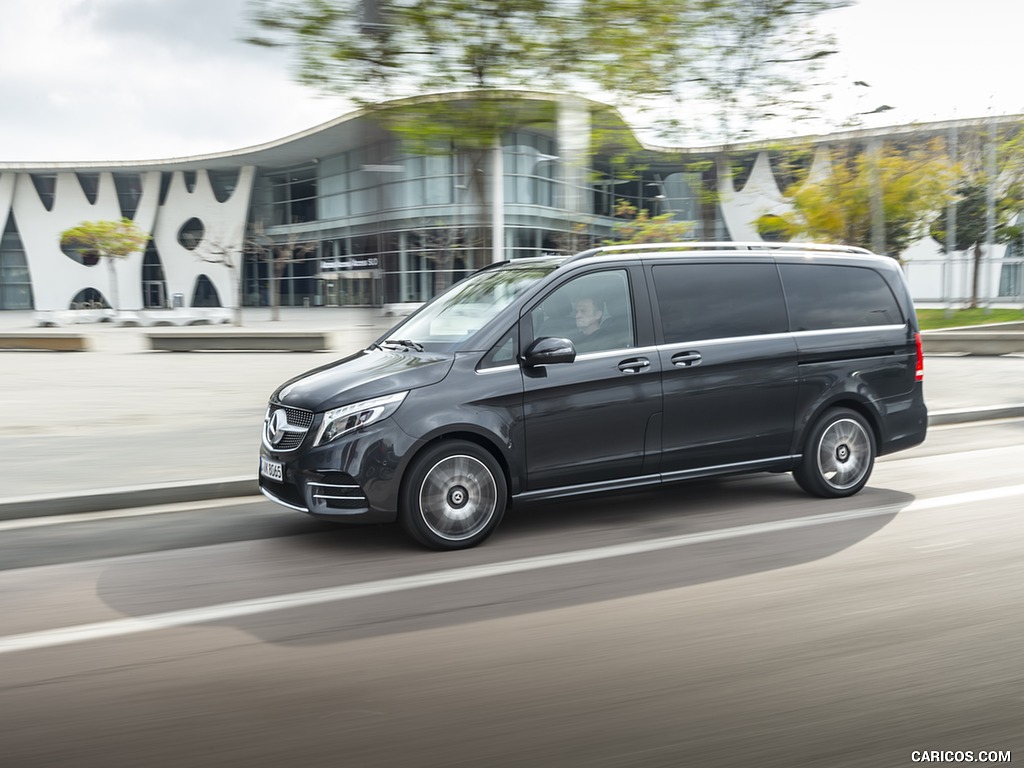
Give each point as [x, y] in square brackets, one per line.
[355, 478]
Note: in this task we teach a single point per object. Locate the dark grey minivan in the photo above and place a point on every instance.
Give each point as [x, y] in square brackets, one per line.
[620, 367]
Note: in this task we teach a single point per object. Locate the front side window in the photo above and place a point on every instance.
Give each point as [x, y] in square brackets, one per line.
[593, 311]
[718, 301]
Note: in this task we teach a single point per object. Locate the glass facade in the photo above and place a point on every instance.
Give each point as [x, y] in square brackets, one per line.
[376, 219]
[380, 223]
[15, 281]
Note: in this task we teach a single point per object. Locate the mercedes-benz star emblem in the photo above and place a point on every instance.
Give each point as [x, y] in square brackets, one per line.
[277, 426]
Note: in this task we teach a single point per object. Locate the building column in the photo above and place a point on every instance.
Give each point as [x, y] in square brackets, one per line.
[573, 152]
[497, 202]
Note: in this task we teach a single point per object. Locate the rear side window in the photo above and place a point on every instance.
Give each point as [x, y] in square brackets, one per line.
[717, 301]
[824, 296]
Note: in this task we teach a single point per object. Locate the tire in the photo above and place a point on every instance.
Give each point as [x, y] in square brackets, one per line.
[453, 496]
[838, 456]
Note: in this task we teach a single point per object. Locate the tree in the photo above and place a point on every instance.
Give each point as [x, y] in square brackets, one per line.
[749, 58]
[747, 61]
[216, 252]
[440, 244]
[279, 255]
[913, 185]
[640, 227]
[735, 55]
[107, 240]
[991, 179]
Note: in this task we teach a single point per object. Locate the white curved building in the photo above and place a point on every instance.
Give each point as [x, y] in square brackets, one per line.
[354, 216]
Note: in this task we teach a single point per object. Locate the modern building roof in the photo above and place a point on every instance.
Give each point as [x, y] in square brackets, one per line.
[346, 130]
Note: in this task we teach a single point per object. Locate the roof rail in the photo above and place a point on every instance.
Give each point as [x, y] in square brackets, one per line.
[723, 245]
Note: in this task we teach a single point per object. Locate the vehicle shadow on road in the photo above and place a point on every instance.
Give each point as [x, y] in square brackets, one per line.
[328, 556]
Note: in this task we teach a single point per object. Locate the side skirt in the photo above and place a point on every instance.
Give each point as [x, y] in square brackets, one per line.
[774, 464]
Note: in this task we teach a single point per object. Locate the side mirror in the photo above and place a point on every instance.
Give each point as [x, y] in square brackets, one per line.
[549, 350]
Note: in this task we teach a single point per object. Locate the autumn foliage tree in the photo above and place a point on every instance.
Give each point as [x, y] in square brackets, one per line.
[637, 226]
[912, 185]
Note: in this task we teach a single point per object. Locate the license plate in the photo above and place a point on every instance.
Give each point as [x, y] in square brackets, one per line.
[272, 469]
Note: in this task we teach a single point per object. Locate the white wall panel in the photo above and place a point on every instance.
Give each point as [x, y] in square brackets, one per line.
[223, 227]
[760, 195]
[57, 279]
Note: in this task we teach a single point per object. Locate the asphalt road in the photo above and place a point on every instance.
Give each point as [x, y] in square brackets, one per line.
[725, 623]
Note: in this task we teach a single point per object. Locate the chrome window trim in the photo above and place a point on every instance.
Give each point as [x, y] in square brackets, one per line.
[723, 341]
[617, 352]
[497, 369]
[776, 336]
[851, 329]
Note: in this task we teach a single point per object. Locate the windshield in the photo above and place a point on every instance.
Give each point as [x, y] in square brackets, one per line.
[469, 305]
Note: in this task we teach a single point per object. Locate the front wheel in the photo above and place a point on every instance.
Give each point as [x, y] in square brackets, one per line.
[454, 496]
[838, 456]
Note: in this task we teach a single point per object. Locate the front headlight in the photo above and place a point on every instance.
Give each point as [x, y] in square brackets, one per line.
[339, 421]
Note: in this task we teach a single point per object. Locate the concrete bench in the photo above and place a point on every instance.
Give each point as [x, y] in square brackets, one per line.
[45, 341]
[239, 341]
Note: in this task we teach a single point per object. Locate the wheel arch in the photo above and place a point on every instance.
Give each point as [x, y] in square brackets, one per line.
[846, 400]
[483, 441]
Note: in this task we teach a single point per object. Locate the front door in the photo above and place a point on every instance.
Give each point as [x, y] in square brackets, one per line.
[589, 421]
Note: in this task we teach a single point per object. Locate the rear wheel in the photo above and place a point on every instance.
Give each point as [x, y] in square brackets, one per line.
[454, 496]
[838, 456]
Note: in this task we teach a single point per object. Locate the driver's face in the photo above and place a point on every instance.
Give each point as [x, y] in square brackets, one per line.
[588, 316]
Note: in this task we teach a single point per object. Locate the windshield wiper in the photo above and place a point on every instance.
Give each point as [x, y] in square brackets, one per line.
[400, 344]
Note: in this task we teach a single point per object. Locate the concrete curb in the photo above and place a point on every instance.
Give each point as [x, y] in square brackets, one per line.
[123, 498]
[231, 487]
[982, 413]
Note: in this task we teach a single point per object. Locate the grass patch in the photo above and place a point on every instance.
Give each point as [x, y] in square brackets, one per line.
[931, 319]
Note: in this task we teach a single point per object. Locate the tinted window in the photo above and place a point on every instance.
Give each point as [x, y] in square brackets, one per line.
[823, 296]
[716, 301]
[501, 354]
[594, 311]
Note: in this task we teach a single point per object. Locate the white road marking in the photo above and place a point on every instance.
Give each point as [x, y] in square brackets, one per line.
[50, 638]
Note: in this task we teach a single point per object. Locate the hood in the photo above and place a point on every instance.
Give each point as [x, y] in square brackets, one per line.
[366, 374]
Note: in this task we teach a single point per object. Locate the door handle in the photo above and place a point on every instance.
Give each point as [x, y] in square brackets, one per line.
[634, 365]
[686, 359]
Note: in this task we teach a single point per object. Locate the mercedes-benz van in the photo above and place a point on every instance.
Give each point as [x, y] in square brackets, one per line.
[616, 368]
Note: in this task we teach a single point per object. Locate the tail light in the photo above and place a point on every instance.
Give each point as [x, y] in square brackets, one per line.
[919, 370]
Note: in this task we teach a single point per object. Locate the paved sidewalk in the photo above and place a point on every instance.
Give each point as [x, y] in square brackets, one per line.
[122, 425]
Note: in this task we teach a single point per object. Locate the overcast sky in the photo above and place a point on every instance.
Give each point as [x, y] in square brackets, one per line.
[154, 79]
